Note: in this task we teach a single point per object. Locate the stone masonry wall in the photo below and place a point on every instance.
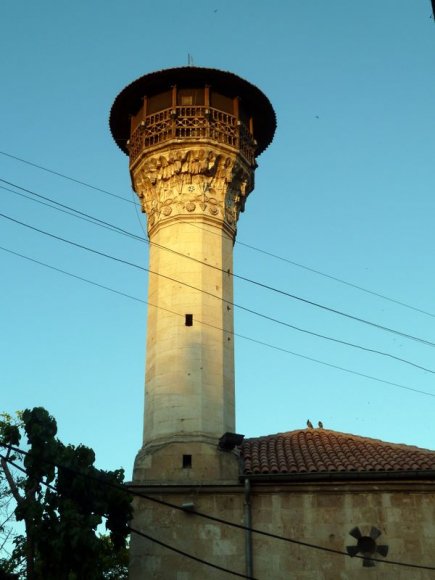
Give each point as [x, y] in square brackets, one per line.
[321, 514]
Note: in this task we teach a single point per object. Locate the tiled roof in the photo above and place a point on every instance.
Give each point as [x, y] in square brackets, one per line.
[321, 451]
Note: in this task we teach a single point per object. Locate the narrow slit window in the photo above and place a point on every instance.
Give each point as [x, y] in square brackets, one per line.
[189, 320]
[187, 461]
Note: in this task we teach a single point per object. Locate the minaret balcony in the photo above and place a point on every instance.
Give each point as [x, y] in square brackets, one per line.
[192, 123]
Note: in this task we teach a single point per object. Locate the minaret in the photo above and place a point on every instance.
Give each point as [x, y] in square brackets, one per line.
[192, 136]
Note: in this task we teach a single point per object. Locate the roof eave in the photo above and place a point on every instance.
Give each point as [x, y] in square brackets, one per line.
[129, 99]
[355, 476]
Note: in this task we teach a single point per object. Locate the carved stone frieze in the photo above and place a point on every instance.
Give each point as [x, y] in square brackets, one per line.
[191, 181]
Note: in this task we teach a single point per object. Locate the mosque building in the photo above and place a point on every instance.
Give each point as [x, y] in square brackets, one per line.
[308, 504]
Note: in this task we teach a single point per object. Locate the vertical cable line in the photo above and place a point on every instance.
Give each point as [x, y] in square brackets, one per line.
[235, 334]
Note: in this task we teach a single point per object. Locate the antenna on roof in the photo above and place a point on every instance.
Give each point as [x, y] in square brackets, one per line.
[189, 59]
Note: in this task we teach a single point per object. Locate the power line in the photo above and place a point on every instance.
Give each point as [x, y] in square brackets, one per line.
[339, 312]
[190, 556]
[250, 339]
[74, 213]
[112, 227]
[68, 210]
[66, 177]
[82, 279]
[266, 317]
[215, 518]
[329, 276]
[254, 248]
[254, 282]
[249, 280]
[220, 298]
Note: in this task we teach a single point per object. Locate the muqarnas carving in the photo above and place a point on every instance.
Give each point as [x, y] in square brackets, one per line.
[193, 180]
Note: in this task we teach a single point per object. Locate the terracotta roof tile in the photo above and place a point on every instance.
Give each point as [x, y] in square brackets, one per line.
[321, 451]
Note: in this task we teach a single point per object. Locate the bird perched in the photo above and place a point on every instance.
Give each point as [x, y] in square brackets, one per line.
[320, 425]
[309, 424]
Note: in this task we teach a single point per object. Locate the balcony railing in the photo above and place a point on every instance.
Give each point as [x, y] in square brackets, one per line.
[191, 123]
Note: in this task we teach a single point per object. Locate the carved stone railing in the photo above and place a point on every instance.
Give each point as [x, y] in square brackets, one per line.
[192, 123]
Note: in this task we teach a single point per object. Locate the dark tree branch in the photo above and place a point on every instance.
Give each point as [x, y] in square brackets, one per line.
[30, 550]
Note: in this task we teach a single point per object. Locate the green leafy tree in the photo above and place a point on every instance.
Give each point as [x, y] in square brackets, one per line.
[114, 565]
[62, 498]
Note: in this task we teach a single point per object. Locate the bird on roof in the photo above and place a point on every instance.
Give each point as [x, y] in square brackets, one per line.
[320, 424]
[309, 424]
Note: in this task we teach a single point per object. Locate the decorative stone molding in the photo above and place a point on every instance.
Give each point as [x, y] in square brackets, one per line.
[193, 181]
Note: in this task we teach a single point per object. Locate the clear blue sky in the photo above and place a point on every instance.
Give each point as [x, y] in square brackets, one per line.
[346, 188]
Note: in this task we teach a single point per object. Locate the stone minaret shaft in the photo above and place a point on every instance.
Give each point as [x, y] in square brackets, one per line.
[192, 193]
[191, 135]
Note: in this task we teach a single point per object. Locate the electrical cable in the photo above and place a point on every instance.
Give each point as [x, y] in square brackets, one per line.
[112, 227]
[255, 282]
[329, 276]
[66, 177]
[77, 277]
[74, 213]
[68, 210]
[235, 334]
[190, 556]
[254, 248]
[217, 519]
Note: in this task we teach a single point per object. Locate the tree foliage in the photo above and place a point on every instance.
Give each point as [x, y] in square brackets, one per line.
[62, 498]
